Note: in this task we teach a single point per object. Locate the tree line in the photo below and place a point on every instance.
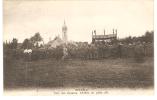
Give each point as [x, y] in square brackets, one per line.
[33, 42]
[28, 43]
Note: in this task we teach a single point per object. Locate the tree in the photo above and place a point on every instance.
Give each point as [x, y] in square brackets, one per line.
[36, 38]
[14, 43]
[149, 36]
[128, 40]
[26, 44]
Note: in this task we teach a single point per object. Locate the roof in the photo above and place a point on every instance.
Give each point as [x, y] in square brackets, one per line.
[56, 42]
[104, 36]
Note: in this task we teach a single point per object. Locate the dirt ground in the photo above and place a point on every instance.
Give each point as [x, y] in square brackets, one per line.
[110, 73]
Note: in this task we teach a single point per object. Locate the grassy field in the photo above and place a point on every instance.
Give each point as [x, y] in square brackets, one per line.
[104, 73]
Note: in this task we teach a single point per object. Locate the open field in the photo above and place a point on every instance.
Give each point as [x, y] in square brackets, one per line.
[110, 73]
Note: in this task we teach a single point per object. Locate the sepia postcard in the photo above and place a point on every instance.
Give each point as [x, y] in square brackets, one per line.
[78, 47]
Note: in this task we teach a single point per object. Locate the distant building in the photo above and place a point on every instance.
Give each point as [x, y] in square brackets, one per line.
[104, 38]
[39, 44]
[56, 42]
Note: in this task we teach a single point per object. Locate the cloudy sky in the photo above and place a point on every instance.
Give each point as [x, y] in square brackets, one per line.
[23, 18]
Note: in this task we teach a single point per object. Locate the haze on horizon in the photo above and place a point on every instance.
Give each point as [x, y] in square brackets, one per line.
[23, 18]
